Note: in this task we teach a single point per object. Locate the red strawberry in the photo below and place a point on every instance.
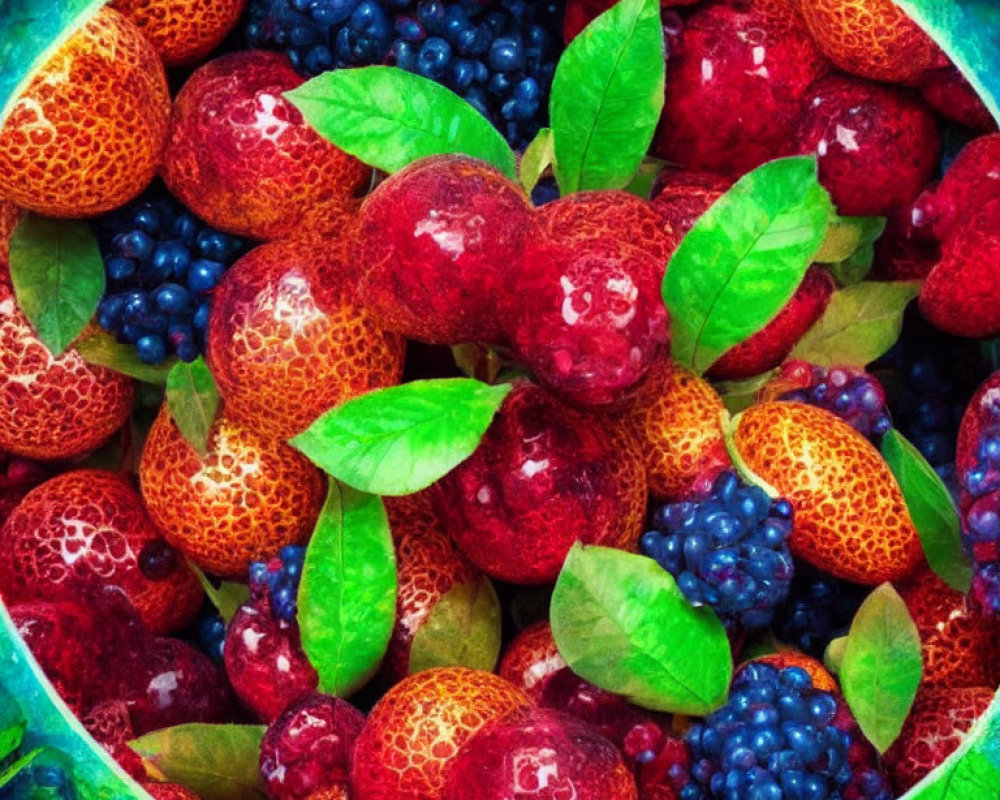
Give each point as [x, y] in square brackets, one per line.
[680, 197]
[531, 658]
[109, 723]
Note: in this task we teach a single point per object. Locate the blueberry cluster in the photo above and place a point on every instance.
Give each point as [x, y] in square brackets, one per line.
[981, 525]
[852, 394]
[500, 55]
[777, 738]
[278, 579]
[729, 551]
[162, 264]
[818, 608]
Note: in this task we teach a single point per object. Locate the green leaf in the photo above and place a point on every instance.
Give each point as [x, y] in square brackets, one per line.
[478, 361]
[729, 426]
[400, 440]
[13, 724]
[740, 395]
[388, 117]
[193, 400]
[932, 510]
[463, 629]
[834, 655]
[881, 666]
[621, 623]
[30, 32]
[58, 277]
[217, 762]
[967, 32]
[859, 325]
[537, 158]
[845, 235]
[11, 772]
[51, 726]
[347, 598]
[227, 597]
[607, 94]
[642, 182]
[743, 259]
[101, 349]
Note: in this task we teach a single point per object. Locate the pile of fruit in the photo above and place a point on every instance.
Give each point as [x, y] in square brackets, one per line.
[500, 400]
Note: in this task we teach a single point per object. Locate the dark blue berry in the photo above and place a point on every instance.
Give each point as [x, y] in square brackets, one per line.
[151, 349]
[278, 580]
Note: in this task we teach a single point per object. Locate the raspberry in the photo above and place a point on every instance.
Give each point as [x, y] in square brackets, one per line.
[728, 550]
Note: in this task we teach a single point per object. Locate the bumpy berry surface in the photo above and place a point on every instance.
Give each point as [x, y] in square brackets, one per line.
[264, 660]
[169, 791]
[161, 265]
[18, 476]
[851, 393]
[308, 749]
[680, 197]
[53, 408]
[530, 658]
[439, 240]
[182, 31]
[86, 528]
[87, 133]
[500, 56]
[938, 721]
[818, 608]
[676, 418]
[286, 322]
[247, 498]
[278, 580]
[876, 145]
[539, 753]
[728, 550]
[871, 38]
[109, 723]
[243, 159]
[417, 728]
[850, 516]
[770, 346]
[580, 13]
[737, 75]
[778, 736]
[543, 477]
[947, 91]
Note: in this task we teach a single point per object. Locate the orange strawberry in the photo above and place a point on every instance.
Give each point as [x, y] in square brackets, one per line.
[850, 516]
[182, 31]
[87, 133]
[418, 726]
[821, 678]
[531, 658]
[242, 502]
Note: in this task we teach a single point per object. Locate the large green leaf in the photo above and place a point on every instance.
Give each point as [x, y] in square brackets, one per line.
[607, 94]
[967, 31]
[881, 666]
[217, 762]
[621, 623]
[101, 349]
[932, 510]
[58, 277]
[193, 399]
[347, 598]
[30, 32]
[743, 259]
[400, 440]
[388, 117]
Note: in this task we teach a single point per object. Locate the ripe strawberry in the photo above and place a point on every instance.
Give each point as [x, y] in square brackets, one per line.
[680, 197]
[182, 31]
[947, 91]
[850, 516]
[531, 658]
[109, 723]
[169, 791]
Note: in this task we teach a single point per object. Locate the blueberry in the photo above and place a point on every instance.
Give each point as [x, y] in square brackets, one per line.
[204, 275]
[157, 560]
[172, 298]
[433, 58]
[151, 349]
[170, 259]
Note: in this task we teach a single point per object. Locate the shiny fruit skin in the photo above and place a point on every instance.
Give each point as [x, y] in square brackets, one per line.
[87, 528]
[543, 477]
[877, 146]
[242, 158]
[677, 421]
[417, 728]
[871, 38]
[735, 80]
[286, 324]
[246, 499]
[850, 516]
[53, 408]
[530, 658]
[972, 180]
[539, 754]
[87, 134]
[439, 240]
[182, 31]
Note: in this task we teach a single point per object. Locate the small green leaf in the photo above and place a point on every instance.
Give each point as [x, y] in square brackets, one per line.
[740, 395]
[478, 361]
[217, 762]
[388, 118]
[729, 426]
[227, 597]
[859, 325]
[13, 724]
[607, 94]
[463, 629]
[881, 666]
[101, 350]
[845, 235]
[347, 598]
[642, 182]
[834, 655]
[743, 259]
[58, 277]
[538, 157]
[932, 510]
[193, 399]
[967, 32]
[621, 623]
[11, 772]
[854, 267]
[400, 440]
